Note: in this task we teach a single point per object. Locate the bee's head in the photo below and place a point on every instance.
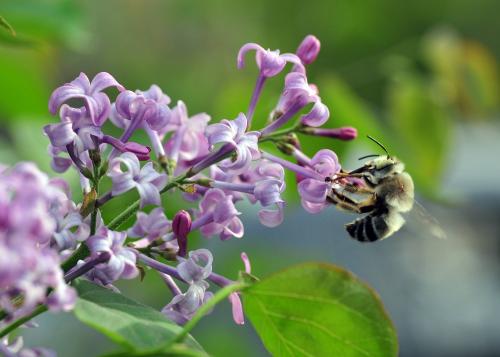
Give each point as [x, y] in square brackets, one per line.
[381, 166]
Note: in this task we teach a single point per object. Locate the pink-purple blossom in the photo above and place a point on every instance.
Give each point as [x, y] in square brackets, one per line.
[188, 141]
[217, 215]
[313, 192]
[296, 95]
[95, 101]
[270, 63]
[30, 206]
[193, 270]
[233, 133]
[263, 183]
[146, 180]
[121, 264]
[151, 227]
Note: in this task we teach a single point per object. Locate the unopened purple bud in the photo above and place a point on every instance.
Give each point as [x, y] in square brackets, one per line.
[308, 50]
[141, 151]
[345, 133]
[181, 226]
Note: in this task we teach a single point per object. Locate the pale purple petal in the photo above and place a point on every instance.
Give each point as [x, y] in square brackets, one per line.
[326, 163]
[149, 194]
[313, 190]
[60, 134]
[233, 229]
[318, 115]
[272, 218]
[313, 207]
[243, 50]
[102, 81]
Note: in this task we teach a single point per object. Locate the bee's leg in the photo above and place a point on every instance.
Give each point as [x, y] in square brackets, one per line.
[347, 204]
[358, 189]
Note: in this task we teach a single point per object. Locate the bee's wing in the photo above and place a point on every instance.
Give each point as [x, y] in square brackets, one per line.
[422, 221]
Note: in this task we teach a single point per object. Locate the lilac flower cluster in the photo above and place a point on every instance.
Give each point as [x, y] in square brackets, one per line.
[37, 222]
[216, 166]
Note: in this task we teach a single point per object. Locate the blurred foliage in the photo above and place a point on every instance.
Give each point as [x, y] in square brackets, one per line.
[39, 22]
[7, 26]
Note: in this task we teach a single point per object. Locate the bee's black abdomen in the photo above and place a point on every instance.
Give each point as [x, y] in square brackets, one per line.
[370, 233]
[380, 225]
[367, 229]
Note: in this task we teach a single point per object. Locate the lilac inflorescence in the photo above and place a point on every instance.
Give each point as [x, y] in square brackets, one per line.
[217, 166]
[36, 217]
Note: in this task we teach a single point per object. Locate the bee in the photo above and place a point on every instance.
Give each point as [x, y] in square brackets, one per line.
[388, 190]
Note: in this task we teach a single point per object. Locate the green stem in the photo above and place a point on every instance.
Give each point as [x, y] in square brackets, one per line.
[80, 253]
[134, 207]
[280, 132]
[206, 307]
[9, 328]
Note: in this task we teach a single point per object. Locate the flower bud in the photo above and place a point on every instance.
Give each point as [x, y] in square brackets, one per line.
[345, 133]
[308, 50]
[141, 151]
[181, 226]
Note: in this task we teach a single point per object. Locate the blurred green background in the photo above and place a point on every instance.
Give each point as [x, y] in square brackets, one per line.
[422, 76]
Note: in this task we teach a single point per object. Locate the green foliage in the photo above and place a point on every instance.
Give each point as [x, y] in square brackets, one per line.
[7, 26]
[138, 328]
[41, 21]
[422, 130]
[464, 71]
[319, 310]
[172, 351]
[346, 109]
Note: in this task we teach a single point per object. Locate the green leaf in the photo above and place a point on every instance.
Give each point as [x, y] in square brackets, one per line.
[319, 309]
[7, 26]
[136, 327]
[422, 129]
[174, 350]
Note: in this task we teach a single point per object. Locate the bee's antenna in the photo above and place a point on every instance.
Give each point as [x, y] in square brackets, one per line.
[367, 156]
[379, 144]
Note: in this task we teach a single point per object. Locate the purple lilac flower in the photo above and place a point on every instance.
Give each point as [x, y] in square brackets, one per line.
[151, 227]
[270, 63]
[264, 183]
[70, 229]
[188, 142]
[30, 205]
[218, 216]
[193, 270]
[296, 95]
[95, 101]
[147, 110]
[58, 164]
[76, 128]
[233, 134]
[121, 264]
[146, 180]
[313, 192]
